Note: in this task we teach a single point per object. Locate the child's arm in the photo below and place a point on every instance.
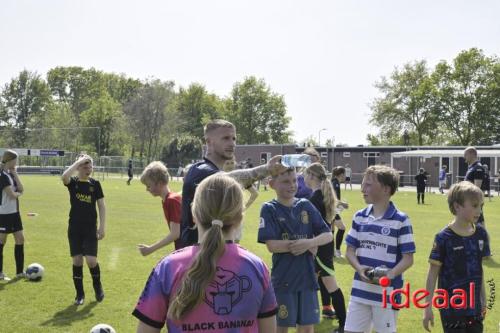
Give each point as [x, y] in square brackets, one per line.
[278, 246]
[175, 231]
[267, 324]
[102, 219]
[145, 328]
[19, 185]
[430, 286]
[402, 266]
[353, 260]
[302, 245]
[253, 195]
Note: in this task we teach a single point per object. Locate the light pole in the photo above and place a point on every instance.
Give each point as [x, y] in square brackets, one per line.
[319, 136]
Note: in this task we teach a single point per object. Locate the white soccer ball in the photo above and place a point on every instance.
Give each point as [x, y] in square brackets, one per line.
[102, 328]
[35, 272]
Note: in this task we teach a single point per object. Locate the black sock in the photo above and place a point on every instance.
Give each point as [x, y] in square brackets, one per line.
[423, 196]
[339, 305]
[19, 256]
[1, 257]
[339, 238]
[325, 296]
[96, 276]
[418, 197]
[78, 280]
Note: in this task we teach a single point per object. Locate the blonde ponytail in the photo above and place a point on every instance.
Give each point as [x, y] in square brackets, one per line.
[217, 207]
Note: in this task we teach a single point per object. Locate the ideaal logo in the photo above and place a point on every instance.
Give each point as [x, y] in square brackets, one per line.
[460, 299]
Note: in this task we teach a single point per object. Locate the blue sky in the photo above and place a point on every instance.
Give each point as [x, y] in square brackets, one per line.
[323, 56]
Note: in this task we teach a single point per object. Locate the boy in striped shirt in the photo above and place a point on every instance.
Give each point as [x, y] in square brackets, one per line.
[381, 235]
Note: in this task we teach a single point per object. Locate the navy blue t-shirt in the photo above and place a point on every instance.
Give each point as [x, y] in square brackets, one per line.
[336, 187]
[197, 172]
[460, 258]
[301, 221]
[475, 171]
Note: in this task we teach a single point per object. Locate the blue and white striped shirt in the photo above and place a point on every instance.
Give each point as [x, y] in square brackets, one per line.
[379, 241]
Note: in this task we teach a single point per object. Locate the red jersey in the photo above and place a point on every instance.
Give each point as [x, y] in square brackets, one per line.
[172, 210]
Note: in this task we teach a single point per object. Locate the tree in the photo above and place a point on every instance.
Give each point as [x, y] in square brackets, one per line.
[195, 108]
[259, 113]
[24, 97]
[407, 103]
[468, 96]
[146, 113]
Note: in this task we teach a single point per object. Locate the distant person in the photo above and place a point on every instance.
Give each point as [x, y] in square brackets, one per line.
[421, 179]
[155, 176]
[180, 171]
[456, 261]
[130, 172]
[303, 191]
[442, 179]
[475, 174]
[11, 189]
[348, 175]
[485, 186]
[83, 233]
[220, 138]
[214, 286]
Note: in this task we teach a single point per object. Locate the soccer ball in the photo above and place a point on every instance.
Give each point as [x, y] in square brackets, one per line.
[34, 272]
[102, 328]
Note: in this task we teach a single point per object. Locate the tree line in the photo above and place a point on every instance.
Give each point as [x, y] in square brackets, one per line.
[455, 103]
[76, 109]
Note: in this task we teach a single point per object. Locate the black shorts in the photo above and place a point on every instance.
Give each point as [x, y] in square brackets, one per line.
[420, 189]
[462, 324]
[325, 255]
[82, 240]
[347, 179]
[10, 223]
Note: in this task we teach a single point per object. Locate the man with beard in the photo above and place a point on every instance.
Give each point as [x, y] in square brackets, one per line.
[220, 139]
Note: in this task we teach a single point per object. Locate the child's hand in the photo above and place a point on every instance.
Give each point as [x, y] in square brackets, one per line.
[300, 246]
[428, 317]
[313, 250]
[144, 249]
[362, 270]
[100, 233]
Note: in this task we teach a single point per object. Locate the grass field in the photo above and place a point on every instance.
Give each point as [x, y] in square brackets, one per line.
[136, 217]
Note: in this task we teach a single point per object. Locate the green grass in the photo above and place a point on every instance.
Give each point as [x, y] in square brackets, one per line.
[136, 217]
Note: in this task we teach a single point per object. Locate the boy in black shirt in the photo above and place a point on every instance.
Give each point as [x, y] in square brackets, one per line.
[83, 232]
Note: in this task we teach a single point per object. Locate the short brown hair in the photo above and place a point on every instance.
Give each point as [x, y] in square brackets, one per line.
[156, 172]
[338, 170]
[386, 176]
[215, 124]
[287, 170]
[462, 191]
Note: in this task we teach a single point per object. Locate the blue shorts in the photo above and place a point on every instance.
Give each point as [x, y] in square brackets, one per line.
[298, 308]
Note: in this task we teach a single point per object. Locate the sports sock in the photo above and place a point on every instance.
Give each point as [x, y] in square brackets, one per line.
[325, 296]
[338, 238]
[1, 257]
[19, 256]
[78, 280]
[96, 276]
[339, 305]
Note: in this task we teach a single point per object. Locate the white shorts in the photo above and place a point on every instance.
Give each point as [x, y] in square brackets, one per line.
[363, 317]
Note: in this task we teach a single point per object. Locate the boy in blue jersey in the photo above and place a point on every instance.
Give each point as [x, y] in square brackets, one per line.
[381, 235]
[456, 257]
[292, 229]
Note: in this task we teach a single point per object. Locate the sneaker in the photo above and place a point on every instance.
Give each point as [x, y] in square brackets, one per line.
[99, 293]
[21, 275]
[4, 277]
[79, 300]
[328, 313]
[338, 253]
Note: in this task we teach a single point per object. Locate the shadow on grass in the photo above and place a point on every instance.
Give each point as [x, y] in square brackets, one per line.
[326, 326]
[71, 314]
[5, 283]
